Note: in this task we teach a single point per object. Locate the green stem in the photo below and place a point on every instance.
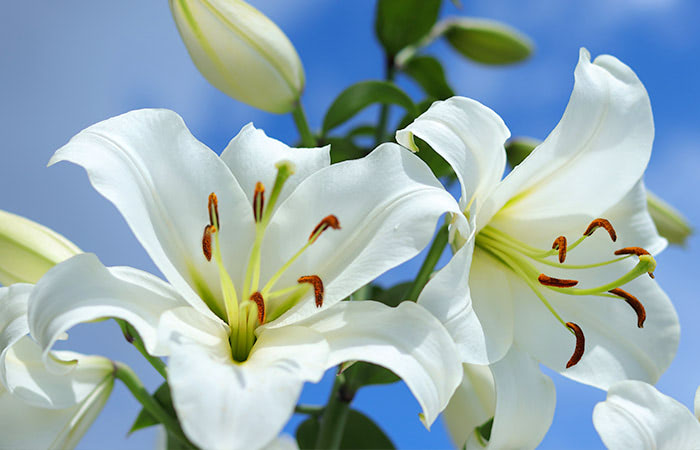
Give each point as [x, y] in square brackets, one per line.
[389, 73]
[429, 263]
[307, 137]
[134, 338]
[311, 410]
[335, 414]
[150, 404]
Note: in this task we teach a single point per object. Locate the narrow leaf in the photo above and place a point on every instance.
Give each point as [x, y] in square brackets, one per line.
[399, 23]
[360, 432]
[145, 419]
[429, 74]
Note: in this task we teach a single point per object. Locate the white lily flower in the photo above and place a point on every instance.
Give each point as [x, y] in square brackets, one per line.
[513, 280]
[241, 51]
[38, 408]
[246, 317]
[636, 415]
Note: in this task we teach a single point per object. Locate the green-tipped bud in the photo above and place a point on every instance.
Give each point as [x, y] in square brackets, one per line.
[487, 41]
[28, 250]
[670, 223]
[241, 52]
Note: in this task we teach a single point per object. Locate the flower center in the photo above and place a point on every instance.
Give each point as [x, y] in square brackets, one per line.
[524, 259]
[258, 305]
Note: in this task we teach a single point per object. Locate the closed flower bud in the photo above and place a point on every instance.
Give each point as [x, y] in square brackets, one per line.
[28, 250]
[669, 222]
[241, 52]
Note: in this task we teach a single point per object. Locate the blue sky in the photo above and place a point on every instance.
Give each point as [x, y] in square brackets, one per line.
[68, 64]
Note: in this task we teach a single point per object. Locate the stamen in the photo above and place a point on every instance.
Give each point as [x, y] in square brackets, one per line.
[601, 223]
[556, 282]
[639, 251]
[560, 245]
[580, 344]
[213, 206]
[318, 287]
[206, 241]
[327, 222]
[260, 302]
[258, 201]
[634, 303]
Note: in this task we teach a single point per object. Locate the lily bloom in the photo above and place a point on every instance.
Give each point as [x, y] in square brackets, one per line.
[259, 246]
[556, 259]
[636, 415]
[38, 407]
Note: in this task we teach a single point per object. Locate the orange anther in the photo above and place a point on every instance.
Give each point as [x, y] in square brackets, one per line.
[560, 244]
[316, 282]
[639, 251]
[206, 241]
[258, 201]
[260, 302]
[634, 303]
[556, 282]
[325, 223]
[213, 206]
[580, 344]
[601, 223]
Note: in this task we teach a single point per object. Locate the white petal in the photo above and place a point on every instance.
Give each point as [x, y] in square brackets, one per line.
[636, 415]
[159, 176]
[252, 156]
[227, 405]
[470, 137]
[473, 403]
[13, 320]
[696, 403]
[387, 204]
[594, 156]
[25, 426]
[283, 442]
[407, 339]
[81, 289]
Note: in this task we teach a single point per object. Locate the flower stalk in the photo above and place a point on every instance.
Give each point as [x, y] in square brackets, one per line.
[335, 414]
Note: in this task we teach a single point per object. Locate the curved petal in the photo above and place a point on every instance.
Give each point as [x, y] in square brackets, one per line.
[159, 177]
[470, 137]
[81, 289]
[26, 426]
[387, 204]
[226, 405]
[472, 405]
[252, 156]
[615, 349]
[636, 415]
[13, 320]
[603, 142]
[407, 339]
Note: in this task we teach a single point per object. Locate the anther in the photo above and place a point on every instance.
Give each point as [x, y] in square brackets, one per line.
[639, 251]
[560, 244]
[601, 223]
[260, 302]
[556, 282]
[206, 241]
[580, 344]
[325, 223]
[258, 201]
[316, 282]
[634, 303]
[213, 206]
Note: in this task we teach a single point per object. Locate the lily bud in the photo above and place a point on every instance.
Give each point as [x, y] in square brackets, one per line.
[28, 250]
[669, 222]
[241, 52]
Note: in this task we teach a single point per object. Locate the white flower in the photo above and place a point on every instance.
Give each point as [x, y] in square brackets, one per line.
[241, 52]
[514, 284]
[259, 246]
[39, 408]
[636, 415]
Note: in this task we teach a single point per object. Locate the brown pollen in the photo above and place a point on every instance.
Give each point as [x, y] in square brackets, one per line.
[260, 302]
[601, 223]
[560, 244]
[327, 222]
[316, 282]
[556, 282]
[206, 241]
[639, 251]
[580, 344]
[634, 303]
[213, 206]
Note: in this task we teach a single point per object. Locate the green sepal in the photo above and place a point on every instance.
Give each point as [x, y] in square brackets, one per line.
[399, 23]
[145, 419]
[360, 432]
[487, 41]
[429, 74]
[361, 95]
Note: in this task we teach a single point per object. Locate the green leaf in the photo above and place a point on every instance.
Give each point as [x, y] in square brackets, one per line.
[360, 432]
[518, 148]
[344, 149]
[399, 23]
[145, 419]
[487, 41]
[360, 373]
[429, 74]
[393, 295]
